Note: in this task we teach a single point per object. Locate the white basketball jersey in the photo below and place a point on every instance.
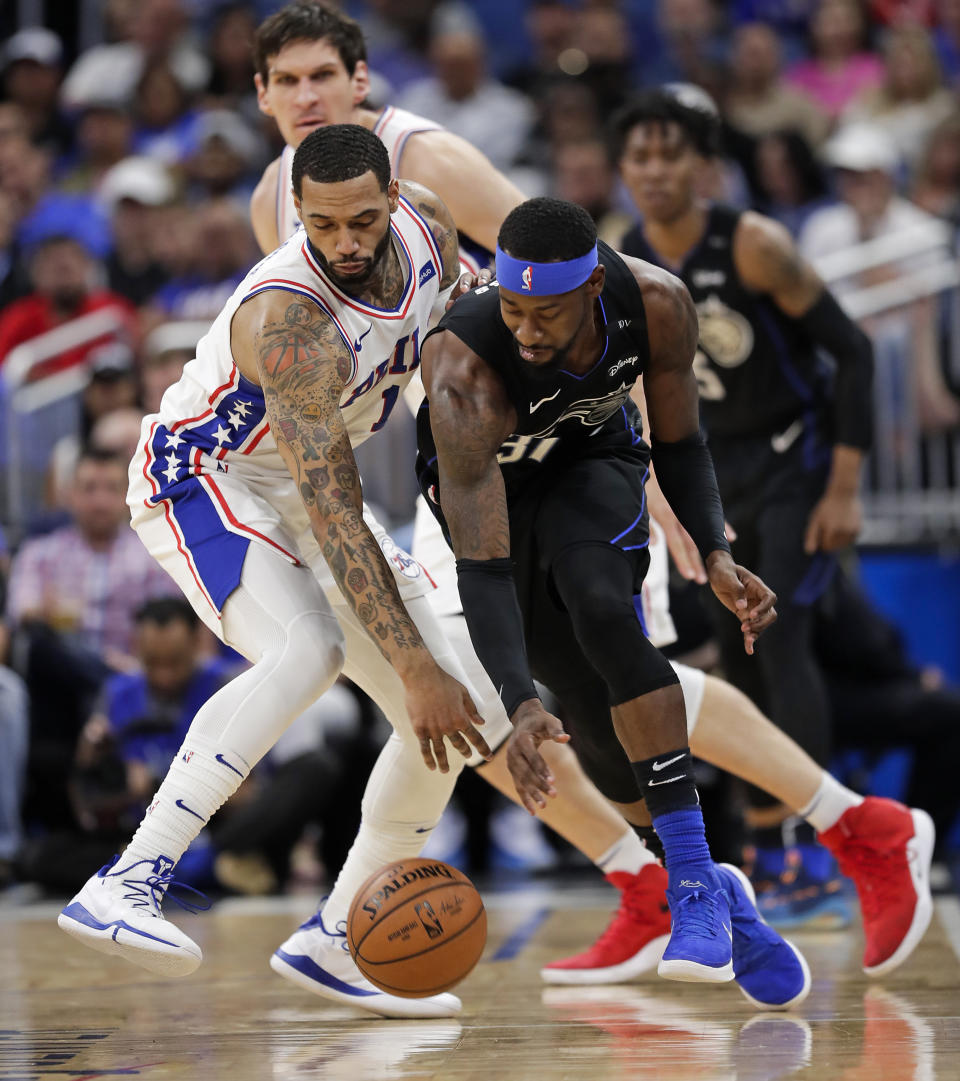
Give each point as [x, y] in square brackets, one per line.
[214, 419]
[393, 128]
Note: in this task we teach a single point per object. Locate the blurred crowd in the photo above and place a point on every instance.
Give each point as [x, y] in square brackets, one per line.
[126, 169]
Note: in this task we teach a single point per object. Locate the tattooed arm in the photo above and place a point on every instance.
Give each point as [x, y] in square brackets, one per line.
[471, 416]
[302, 363]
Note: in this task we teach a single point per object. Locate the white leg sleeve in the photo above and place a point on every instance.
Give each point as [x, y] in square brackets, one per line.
[279, 618]
[692, 682]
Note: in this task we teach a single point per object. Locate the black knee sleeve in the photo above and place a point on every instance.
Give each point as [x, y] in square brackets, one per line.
[595, 583]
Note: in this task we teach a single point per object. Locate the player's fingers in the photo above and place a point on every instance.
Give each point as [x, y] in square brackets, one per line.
[811, 536]
[478, 741]
[458, 743]
[537, 765]
[427, 754]
[440, 751]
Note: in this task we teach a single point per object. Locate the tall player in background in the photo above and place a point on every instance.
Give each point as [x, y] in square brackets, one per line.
[311, 72]
[787, 437]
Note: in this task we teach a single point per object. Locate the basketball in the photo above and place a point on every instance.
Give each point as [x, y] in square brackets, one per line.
[416, 927]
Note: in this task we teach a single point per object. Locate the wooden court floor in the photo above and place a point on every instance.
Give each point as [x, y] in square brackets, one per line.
[66, 1012]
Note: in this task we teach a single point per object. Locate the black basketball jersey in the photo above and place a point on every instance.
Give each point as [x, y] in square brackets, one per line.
[756, 369]
[567, 415]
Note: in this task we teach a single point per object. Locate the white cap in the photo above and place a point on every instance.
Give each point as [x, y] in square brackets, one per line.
[35, 43]
[232, 129]
[862, 148]
[180, 336]
[141, 179]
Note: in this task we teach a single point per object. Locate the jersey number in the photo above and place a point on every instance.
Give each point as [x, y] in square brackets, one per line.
[390, 396]
[531, 447]
[709, 383]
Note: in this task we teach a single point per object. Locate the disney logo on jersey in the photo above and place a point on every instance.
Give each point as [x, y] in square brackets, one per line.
[591, 412]
[706, 279]
[403, 562]
[725, 334]
[623, 362]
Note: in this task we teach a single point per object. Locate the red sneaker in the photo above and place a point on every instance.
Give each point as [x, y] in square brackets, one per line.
[634, 940]
[886, 848]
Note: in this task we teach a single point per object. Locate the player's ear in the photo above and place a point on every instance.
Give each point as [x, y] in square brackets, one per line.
[393, 195]
[595, 282]
[296, 203]
[361, 82]
[262, 102]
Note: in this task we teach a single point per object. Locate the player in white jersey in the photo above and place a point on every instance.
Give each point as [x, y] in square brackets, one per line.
[311, 71]
[246, 491]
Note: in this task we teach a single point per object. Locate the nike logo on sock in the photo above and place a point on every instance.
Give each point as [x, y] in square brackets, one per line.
[667, 780]
[184, 807]
[224, 762]
[657, 766]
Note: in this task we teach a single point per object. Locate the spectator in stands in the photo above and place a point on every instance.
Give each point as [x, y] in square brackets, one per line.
[223, 250]
[551, 26]
[788, 182]
[602, 38]
[788, 20]
[64, 277]
[166, 350]
[104, 137]
[840, 65]
[691, 45]
[946, 36]
[462, 96]
[936, 187]
[908, 372]
[132, 192]
[912, 98]
[158, 30]
[584, 174]
[118, 432]
[230, 85]
[14, 282]
[759, 101]
[30, 63]
[228, 158]
[73, 595]
[24, 168]
[166, 121]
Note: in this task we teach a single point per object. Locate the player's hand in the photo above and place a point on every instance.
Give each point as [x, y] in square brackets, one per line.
[532, 725]
[834, 523]
[749, 598]
[439, 706]
[468, 282]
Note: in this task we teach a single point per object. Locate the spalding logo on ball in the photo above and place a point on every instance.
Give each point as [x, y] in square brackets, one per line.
[417, 927]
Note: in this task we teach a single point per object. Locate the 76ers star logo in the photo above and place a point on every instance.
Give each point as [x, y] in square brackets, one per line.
[527, 278]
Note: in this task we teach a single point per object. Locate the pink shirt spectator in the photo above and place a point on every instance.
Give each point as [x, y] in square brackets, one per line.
[80, 590]
[833, 87]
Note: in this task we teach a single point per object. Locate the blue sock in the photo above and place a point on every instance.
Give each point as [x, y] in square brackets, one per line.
[685, 845]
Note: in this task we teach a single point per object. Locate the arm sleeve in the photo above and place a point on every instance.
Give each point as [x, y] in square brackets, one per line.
[828, 325]
[686, 477]
[490, 606]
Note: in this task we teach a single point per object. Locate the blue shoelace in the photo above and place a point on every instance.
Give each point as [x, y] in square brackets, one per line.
[149, 891]
[696, 913]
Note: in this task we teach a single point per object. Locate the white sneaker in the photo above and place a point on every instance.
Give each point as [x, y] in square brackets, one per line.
[117, 912]
[319, 961]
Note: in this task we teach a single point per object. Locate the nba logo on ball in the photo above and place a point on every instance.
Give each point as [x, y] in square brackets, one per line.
[527, 278]
[416, 927]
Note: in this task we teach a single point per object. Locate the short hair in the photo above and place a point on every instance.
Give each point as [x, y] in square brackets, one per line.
[100, 456]
[308, 20]
[166, 610]
[686, 106]
[547, 230]
[340, 152]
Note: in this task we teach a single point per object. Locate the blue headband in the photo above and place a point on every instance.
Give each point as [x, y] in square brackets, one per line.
[544, 279]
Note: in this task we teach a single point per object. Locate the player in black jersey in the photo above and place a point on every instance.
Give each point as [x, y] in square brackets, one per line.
[787, 434]
[530, 448]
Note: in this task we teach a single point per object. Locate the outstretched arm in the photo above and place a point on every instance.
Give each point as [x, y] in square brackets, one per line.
[767, 260]
[471, 416]
[302, 364]
[683, 463]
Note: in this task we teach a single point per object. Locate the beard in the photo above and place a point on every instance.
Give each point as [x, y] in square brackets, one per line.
[546, 370]
[354, 283]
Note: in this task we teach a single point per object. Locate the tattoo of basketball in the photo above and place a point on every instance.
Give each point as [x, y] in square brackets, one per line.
[357, 580]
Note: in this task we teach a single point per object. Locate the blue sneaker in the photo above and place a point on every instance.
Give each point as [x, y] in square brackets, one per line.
[800, 886]
[770, 971]
[700, 949]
